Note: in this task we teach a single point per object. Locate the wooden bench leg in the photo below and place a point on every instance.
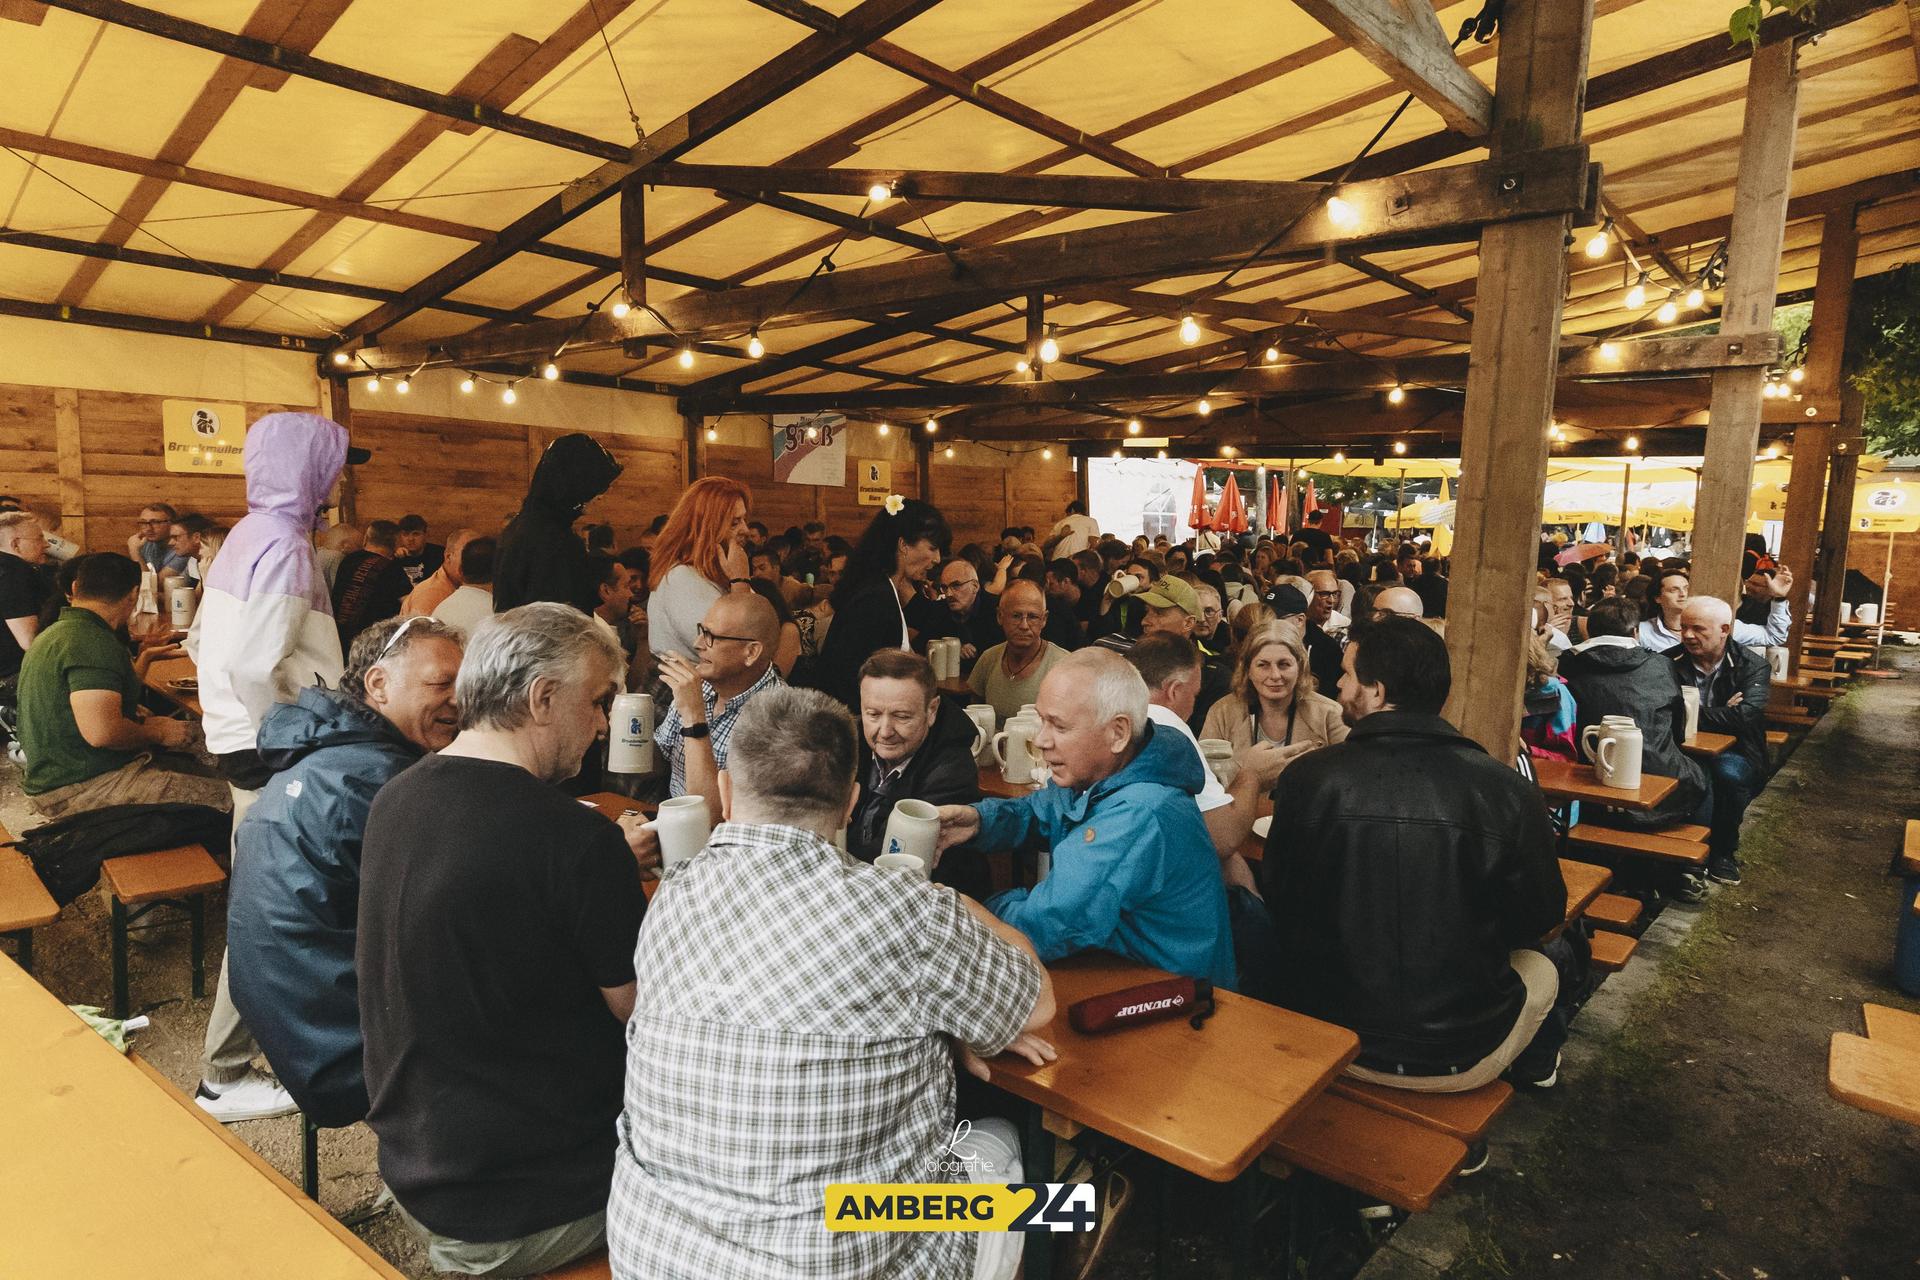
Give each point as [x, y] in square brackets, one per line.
[23, 944]
[1245, 1211]
[309, 1156]
[197, 918]
[119, 933]
[1036, 1161]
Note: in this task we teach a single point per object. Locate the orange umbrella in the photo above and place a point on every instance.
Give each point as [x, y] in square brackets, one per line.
[1277, 503]
[1197, 516]
[1231, 517]
[1309, 504]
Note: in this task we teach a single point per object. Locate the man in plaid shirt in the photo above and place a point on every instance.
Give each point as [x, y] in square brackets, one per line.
[798, 1027]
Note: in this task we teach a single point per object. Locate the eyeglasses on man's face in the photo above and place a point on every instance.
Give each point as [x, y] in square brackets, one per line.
[703, 636]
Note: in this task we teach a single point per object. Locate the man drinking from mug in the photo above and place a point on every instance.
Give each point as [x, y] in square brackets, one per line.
[914, 745]
[733, 662]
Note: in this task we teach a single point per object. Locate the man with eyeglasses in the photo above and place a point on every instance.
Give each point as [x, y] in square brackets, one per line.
[1009, 674]
[970, 614]
[1324, 648]
[148, 543]
[733, 661]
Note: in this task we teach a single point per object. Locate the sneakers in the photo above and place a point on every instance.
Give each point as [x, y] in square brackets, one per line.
[1723, 871]
[1691, 887]
[1477, 1156]
[1544, 1082]
[254, 1096]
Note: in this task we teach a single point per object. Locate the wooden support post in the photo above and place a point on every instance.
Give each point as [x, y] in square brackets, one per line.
[696, 425]
[1842, 470]
[1510, 380]
[73, 471]
[633, 240]
[337, 403]
[1753, 275]
[1036, 333]
[923, 466]
[1800, 535]
[1082, 488]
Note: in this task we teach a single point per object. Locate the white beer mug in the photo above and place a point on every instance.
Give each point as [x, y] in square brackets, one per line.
[630, 734]
[984, 723]
[1013, 748]
[1691, 697]
[1620, 759]
[913, 829]
[682, 827]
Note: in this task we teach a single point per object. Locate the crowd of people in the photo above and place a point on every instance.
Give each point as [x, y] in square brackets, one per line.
[427, 931]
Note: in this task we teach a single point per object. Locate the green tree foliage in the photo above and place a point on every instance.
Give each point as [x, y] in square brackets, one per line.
[1883, 357]
[1744, 25]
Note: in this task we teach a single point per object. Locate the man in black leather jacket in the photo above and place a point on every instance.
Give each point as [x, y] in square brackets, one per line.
[1734, 682]
[1409, 875]
[915, 745]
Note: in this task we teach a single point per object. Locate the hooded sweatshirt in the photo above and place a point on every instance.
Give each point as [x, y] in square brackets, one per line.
[293, 906]
[540, 556]
[265, 627]
[1612, 676]
[1134, 871]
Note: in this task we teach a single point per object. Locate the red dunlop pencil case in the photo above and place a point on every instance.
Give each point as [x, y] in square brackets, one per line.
[1149, 1002]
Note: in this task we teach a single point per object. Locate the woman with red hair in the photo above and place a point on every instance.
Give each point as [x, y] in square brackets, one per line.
[701, 553]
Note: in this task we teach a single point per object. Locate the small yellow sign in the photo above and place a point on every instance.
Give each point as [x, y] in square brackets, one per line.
[961, 1206]
[203, 436]
[876, 481]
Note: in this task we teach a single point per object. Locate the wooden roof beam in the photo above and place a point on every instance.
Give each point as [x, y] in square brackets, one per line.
[1640, 358]
[1403, 38]
[1047, 190]
[772, 80]
[1274, 313]
[281, 59]
[1408, 208]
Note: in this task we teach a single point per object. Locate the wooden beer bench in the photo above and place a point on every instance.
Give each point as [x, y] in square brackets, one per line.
[1880, 1071]
[141, 883]
[25, 904]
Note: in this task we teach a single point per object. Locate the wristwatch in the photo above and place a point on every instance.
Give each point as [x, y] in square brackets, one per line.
[700, 730]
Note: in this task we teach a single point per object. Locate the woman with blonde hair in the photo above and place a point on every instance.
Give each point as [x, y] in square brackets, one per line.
[1246, 619]
[700, 554]
[1273, 698]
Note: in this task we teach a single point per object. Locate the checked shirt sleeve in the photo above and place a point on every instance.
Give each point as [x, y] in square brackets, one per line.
[975, 987]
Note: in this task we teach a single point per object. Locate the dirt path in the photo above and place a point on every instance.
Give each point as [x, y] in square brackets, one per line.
[1699, 1140]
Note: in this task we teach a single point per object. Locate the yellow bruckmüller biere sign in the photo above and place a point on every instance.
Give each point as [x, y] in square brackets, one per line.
[204, 436]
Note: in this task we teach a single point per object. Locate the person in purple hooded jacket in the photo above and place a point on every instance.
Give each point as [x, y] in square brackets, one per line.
[264, 632]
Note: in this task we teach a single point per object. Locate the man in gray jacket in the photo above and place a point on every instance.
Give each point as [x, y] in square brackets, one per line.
[293, 907]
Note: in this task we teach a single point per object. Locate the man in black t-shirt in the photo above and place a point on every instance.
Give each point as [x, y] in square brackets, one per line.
[498, 918]
[370, 584]
[418, 558]
[23, 589]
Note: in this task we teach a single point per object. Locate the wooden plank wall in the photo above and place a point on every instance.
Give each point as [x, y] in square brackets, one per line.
[979, 501]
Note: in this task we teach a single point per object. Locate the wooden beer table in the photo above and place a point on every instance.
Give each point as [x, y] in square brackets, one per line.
[165, 671]
[611, 805]
[994, 784]
[1208, 1101]
[116, 1174]
[1565, 780]
[1707, 744]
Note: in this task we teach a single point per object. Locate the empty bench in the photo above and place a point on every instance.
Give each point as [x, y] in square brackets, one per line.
[140, 883]
[1684, 843]
[25, 904]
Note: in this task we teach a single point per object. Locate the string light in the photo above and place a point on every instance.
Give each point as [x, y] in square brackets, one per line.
[1796, 376]
[1049, 348]
[755, 347]
[1769, 390]
[1669, 311]
[1696, 298]
[1397, 396]
[403, 386]
[813, 433]
[1227, 451]
[1118, 454]
[621, 308]
[373, 384]
[1205, 407]
[1637, 295]
[1633, 443]
[1273, 354]
[1046, 455]
[1133, 426]
[1599, 242]
[947, 452]
[1342, 214]
[552, 372]
[1162, 455]
[1339, 455]
[1609, 350]
[466, 386]
[686, 357]
[1021, 365]
[1400, 447]
[932, 426]
[1773, 451]
[1189, 330]
[509, 395]
[880, 192]
[341, 357]
[1556, 434]
[713, 433]
[886, 429]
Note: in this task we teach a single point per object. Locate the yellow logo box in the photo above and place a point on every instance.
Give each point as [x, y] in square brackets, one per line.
[961, 1206]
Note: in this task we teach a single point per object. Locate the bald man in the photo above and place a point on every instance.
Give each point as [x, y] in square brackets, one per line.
[1734, 682]
[1008, 675]
[733, 660]
[443, 581]
[1403, 602]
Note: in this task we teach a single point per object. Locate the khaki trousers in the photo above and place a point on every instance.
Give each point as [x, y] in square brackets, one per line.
[1542, 981]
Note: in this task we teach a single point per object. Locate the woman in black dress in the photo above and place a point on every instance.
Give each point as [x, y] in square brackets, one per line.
[888, 567]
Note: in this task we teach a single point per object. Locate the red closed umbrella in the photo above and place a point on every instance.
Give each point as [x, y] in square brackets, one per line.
[1278, 516]
[1197, 515]
[1231, 516]
[1309, 504]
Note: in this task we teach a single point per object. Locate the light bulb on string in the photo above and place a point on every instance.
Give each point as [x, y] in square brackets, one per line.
[1339, 455]
[1118, 454]
[1226, 451]
[879, 193]
[551, 372]
[1133, 426]
[1161, 454]
[713, 433]
[947, 452]
[1609, 351]
[1049, 349]
[813, 433]
[755, 347]
[403, 386]
[1669, 312]
[621, 308]
[1204, 408]
[1696, 298]
[686, 357]
[341, 357]
[1400, 447]
[466, 386]
[1046, 455]
[1633, 443]
[1599, 242]
[509, 396]
[1637, 294]
[932, 426]
[1189, 330]
[373, 384]
[1273, 355]
[1342, 214]
[886, 429]
[1021, 365]
[1397, 395]
[1796, 376]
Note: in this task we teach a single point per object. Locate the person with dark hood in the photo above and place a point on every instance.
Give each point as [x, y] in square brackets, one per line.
[539, 556]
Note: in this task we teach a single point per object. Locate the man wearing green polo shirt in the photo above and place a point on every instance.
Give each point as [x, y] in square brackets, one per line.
[88, 743]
